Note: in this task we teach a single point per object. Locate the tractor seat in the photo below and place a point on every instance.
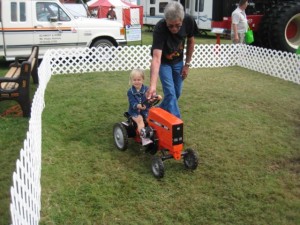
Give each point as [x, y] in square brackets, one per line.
[130, 120]
[126, 114]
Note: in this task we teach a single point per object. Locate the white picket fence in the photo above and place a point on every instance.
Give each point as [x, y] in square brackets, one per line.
[25, 204]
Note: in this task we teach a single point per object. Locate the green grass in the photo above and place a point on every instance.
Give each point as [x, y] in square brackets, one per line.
[13, 132]
[245, 127]
[82, 139]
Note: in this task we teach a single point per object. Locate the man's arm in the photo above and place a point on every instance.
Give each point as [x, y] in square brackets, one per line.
[189, 53]
[154, 70]
[235, 33]
[235, 20]
[190, 49]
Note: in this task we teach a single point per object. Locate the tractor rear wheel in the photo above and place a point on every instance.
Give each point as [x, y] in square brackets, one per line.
[120, 136]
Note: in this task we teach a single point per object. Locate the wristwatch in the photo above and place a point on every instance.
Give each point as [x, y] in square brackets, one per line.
[187, 64]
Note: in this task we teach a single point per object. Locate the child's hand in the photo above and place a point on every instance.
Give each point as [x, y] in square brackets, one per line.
[141, 107]
[155, 99]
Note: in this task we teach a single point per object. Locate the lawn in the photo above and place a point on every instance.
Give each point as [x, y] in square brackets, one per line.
[245, 127]
[13, 130]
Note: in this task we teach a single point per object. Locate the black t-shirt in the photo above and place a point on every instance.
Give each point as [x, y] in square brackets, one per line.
[172, 45]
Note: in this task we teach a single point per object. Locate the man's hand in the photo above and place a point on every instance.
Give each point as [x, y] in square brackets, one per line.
[185, 71]
[155, 98]
[236, 39]
[151, 92]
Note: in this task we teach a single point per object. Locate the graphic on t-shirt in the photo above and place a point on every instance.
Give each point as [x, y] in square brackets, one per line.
[175, 53]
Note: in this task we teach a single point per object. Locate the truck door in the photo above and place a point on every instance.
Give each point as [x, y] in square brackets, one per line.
[16, 26]
[54, 27]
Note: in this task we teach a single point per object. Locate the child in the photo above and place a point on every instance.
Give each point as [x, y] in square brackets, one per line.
[136, 96]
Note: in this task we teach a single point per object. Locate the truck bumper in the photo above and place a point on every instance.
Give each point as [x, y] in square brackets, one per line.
[122, 42]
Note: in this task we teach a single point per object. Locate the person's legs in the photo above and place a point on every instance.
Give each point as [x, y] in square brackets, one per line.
[140, 126]
[178, 82]
[139, 122]
[242, 38]
[169, 102]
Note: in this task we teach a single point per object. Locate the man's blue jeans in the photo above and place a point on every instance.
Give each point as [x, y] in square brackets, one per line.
[171, 80]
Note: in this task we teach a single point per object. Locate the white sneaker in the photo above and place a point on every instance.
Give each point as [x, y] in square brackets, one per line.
[146, 141]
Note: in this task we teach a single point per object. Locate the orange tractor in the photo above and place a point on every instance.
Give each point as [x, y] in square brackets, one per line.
[166, 132]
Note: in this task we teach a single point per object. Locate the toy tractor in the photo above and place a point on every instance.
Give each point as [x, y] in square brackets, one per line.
[166, 132]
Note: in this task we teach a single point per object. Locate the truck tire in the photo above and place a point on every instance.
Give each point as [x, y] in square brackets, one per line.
[261, 38]
[102, 43]
[105, 54]
[281, 28]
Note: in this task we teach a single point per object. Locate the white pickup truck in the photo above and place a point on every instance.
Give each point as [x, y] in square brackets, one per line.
[48, 24]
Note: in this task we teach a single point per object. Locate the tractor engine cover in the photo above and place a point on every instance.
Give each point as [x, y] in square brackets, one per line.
[169, 130]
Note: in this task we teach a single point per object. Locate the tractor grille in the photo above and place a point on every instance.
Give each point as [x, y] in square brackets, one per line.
[177, 134]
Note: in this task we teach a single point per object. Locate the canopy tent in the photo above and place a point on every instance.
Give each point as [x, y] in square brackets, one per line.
[128, 14]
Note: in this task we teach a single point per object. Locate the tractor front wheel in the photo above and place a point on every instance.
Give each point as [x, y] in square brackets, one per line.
[158, 168]
[191, 159]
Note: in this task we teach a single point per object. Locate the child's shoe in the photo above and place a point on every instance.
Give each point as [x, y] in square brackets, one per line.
[146, 141]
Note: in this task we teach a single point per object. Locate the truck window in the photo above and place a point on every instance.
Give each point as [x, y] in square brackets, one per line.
[46, 10]
[201, 6]
[13, 11]
[22, 11]
[152, 11]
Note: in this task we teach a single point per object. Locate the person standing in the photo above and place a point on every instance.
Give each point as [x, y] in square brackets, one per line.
[169, 37]
[239, 24]
[111, 14]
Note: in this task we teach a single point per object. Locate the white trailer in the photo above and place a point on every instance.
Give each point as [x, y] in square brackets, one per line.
[48, 24]
[201, 10]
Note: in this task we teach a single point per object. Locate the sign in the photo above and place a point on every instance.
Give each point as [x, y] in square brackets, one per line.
[217, 30]
[133, 32]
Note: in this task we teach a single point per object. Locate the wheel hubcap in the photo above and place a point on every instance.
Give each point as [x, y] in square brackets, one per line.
[119, 138]
[292, 31]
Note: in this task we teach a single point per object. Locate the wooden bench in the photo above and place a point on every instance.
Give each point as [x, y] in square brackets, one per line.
[15, 84]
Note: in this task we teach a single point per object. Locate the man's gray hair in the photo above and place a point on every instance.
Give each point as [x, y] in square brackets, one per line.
[173, 11]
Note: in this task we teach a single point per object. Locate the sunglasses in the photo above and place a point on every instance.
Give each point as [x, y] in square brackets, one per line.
[171, 26]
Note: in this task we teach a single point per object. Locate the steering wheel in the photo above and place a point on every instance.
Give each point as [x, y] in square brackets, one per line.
[154, 100]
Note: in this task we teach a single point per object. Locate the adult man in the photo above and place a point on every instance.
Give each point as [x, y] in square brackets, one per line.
[111, 14]
[239, 23]
[169, 37]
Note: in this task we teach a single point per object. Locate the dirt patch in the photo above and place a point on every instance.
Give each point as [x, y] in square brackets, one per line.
[294, 165]
[14, 111]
